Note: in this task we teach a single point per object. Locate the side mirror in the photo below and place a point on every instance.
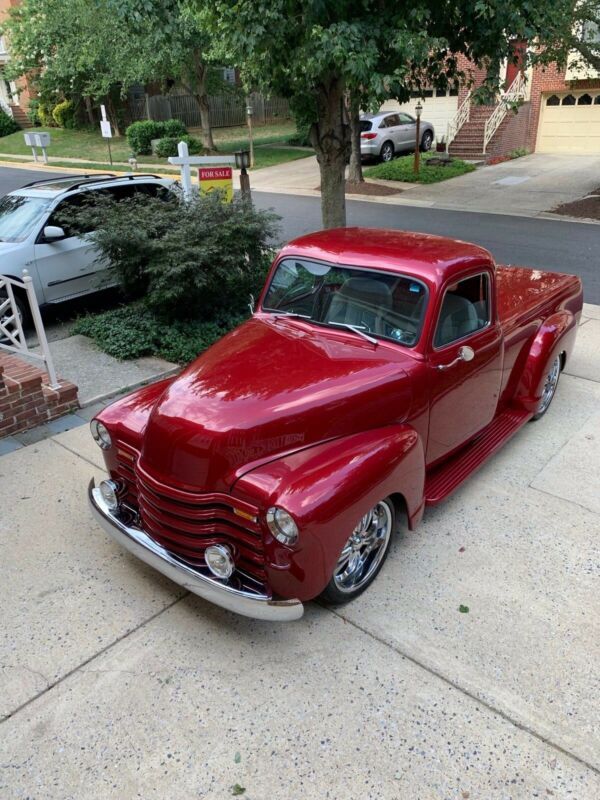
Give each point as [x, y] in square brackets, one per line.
[466, 353]
[52, 233]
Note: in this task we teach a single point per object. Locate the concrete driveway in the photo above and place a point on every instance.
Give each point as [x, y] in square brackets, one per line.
[527, 186]
[118, 684]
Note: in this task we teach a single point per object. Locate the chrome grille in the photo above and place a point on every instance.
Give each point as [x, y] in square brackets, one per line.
[186, 523]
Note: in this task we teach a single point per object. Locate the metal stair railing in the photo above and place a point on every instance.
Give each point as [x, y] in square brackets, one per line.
[12, 337]
[514, 93]
[456, 123]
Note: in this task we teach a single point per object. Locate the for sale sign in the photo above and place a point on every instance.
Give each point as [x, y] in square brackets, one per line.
[212, 178]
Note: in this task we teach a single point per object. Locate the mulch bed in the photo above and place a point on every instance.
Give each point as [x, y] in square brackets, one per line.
[368, 188]
[586, 208]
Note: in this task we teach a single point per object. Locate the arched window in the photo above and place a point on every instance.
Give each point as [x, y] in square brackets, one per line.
[568, 100]
[553, 100]
[597, 100]
[585, 100]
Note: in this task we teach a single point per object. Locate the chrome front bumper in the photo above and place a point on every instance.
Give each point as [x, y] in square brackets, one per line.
[146, 549]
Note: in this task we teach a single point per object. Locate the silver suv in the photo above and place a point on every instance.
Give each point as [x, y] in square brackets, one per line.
[34, 236]
[385, 134]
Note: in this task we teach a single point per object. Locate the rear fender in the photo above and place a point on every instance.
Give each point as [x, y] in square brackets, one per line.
[327, 489]
[555, 336]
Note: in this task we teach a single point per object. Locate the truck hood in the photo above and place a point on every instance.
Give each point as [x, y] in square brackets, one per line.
[270, 387]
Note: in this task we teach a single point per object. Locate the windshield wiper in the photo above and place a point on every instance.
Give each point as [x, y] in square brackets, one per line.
[356, 329]
[291, 314]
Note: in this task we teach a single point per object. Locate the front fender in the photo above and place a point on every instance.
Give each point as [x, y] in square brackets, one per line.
[555, 336]
[327, 489]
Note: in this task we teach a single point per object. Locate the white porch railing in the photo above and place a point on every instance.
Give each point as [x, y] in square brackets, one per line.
[514, 93]
[456, 123]
[5, 107]
[12, 337]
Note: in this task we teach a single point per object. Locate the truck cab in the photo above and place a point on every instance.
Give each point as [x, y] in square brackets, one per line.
[377, 372]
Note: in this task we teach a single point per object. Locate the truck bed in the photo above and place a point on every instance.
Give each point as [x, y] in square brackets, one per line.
[524, 294]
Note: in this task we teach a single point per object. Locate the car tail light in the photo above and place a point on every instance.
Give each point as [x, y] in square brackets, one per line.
[368, 135]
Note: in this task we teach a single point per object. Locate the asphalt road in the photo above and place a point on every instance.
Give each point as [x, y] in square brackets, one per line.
[572, 247]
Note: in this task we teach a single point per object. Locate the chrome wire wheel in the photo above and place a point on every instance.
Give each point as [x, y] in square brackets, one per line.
[549, 389]
[365, 550]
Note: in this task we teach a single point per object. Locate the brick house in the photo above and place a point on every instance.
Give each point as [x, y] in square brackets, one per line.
[14, 96]
[559, 113]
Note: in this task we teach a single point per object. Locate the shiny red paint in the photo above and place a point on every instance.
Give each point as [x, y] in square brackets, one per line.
[325, 424]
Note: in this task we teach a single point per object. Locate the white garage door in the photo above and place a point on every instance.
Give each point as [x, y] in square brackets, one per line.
[570, 122]
[438, 108]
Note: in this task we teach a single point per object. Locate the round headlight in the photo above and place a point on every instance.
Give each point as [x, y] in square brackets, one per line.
[100, 434]
[108, 490]
[219, 560]
[282, 525]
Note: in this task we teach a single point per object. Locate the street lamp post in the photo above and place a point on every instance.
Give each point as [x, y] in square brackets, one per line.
[242, 162]
[418, 112]
[249, 115]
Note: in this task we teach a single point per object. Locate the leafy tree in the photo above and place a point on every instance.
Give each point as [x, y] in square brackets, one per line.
[78, 49]
[315, 51]
[584, 41]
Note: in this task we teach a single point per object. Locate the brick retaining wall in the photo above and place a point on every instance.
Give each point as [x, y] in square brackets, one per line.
[25, 398]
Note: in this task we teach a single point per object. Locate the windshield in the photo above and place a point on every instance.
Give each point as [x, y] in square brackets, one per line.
[18, 215]
[378, 303]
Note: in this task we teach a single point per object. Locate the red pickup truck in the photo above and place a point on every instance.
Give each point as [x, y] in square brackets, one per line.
[378, 371]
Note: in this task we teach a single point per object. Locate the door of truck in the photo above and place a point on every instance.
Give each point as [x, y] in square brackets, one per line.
[463, 393]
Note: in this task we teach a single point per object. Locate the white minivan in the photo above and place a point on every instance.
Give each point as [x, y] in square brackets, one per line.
[35, 237]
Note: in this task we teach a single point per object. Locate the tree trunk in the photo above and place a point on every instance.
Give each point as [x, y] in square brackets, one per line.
[329, 137]
[202, 100]
[88, 109]
[355, 173]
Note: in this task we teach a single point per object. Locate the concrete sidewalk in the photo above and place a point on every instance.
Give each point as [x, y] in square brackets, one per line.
[528, 186]
[116, 683]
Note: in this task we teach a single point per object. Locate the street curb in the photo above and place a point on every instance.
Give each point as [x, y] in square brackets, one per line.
[131, 386]
[394, 200]
[29, 165]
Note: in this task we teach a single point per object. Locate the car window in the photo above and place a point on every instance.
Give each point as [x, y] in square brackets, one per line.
[406, 119]
[465, 309]
[390, 121]
[64, 213]
[382, 304]
[19, 215]
[365, 125]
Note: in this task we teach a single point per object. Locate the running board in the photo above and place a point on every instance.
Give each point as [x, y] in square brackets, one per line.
[448, 477]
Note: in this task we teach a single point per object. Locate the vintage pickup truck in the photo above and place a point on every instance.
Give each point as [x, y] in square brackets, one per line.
[378, 371]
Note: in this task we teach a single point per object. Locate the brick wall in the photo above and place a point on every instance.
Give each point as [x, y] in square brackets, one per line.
[550, 79]
[25, 398]
[512, 133]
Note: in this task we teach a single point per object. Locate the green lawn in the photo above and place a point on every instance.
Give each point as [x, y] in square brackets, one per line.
[401, 169]
[91, 147]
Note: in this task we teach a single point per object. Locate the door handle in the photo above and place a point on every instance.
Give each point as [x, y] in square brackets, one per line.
[465, 353]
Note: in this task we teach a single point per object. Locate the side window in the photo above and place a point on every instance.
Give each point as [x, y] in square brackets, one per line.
[63, 215]
[391, 121]
[465, 309]
[406, 119]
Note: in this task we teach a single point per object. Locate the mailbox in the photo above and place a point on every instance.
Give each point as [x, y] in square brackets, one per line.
[38, 139]
[42, 139]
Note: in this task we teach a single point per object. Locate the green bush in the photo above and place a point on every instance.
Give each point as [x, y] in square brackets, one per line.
[33, 112]
[173, 128]
[189, 260]
[45, 114]
[134, 331]
[518, 152]
[64, 114]
[168, 146]
[140, 134]
[7, 124]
